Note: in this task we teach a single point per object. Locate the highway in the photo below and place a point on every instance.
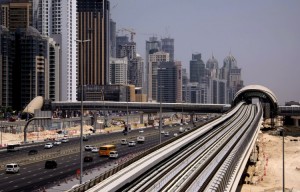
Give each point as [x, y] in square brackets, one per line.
[33, 175]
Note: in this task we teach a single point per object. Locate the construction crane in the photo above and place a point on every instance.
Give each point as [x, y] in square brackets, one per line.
[132, 33]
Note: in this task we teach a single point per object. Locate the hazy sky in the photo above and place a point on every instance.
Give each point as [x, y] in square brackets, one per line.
[263, 35]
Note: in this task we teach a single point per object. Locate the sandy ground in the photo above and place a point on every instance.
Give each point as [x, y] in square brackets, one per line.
[268, 172]
[265, 176]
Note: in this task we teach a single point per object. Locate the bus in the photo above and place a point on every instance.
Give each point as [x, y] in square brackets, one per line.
[104, 150]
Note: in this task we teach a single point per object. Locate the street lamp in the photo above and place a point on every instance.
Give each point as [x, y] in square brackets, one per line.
[160, 106]
[282, 133]
[81, 117]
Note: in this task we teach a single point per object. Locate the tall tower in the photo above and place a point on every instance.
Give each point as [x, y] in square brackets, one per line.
[152, 46]
[233, 75]
[154, 60]
[93, 56]
[197, 68]
[167, 45]
[16, 14]
[57, 19]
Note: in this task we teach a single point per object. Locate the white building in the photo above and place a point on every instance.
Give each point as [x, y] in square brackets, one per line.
[118, 70]
[57, 19]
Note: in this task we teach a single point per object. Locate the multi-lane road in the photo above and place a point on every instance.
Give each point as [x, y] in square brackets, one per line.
[33, 175]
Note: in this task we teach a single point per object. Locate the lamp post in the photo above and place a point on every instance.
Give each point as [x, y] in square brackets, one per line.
[160, 105]
[127, 106]
[283, 179]
[81, 117]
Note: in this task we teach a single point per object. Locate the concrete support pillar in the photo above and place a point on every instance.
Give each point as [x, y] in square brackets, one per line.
[142, 118]
[296, 122]
[192, 118]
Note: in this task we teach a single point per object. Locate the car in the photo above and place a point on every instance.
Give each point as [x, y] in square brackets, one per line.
[124, 142]
[50, 164]
[166, 133]
[113, 154]
[48, 146]
[95, 150]
[88, 159]
[57, 142]
[12, 168]
[65, 140]
[131, 143]
[88, 147]
[32, 152]
[181, 129]
[162, 132]
[175, 134]
[140, 139]
[141, 131]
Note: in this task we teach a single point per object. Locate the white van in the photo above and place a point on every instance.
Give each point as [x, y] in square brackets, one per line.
[12, 168]
[113, 154]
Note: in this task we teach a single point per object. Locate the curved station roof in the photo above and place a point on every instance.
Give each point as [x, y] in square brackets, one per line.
[257, 91]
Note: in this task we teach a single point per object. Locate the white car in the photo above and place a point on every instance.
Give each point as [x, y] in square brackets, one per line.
[57, 143]
[113, 154]
[95, 150]
[141, 131]
[48, 146]
[65, 140]
[131, 143]
[124, 142]
[12, 168]
[140, 139]
[88, 147]
[166, 133]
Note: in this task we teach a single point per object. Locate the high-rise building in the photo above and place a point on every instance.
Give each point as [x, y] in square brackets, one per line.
[152, 45]
[232, 74]
[93, 56]
[33, 64]
[167, 45]
[16, 14]
[118, 70]
[57, 19]
[197, 69]
[154, 61]
[112, 37]
[167, 80]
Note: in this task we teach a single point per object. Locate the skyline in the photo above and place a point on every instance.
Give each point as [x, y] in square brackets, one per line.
[267, 40]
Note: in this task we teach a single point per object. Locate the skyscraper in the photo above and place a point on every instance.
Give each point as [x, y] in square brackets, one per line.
[167, 80]
[167, 45]
[152, 45]
[197, 68]
[57, 19]
[154, 61]
[232, 74]
[16, 14]
[93, 56]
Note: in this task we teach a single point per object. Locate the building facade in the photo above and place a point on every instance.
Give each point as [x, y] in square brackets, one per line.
[93, 55]
[154, 60]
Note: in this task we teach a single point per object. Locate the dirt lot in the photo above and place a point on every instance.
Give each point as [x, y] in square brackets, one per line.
[267, 174]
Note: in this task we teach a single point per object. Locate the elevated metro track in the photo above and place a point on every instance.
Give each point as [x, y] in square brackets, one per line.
[211, 157]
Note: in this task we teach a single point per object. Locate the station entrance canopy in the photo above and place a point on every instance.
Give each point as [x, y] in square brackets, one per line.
[265, 95]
